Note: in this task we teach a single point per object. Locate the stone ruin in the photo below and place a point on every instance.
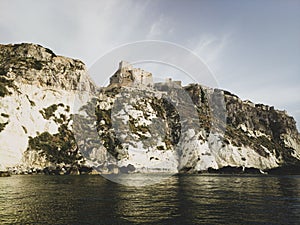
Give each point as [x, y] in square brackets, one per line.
[126, 75]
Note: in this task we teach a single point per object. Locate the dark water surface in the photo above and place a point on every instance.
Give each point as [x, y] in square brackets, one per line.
[184, 199]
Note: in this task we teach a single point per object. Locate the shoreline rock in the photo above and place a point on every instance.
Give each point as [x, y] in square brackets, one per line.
[228, 170]
[5, 174]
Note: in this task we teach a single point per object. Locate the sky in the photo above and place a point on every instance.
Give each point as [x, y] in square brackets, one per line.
[252, 48]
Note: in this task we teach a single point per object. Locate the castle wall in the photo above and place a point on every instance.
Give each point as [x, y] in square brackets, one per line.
[127, 76]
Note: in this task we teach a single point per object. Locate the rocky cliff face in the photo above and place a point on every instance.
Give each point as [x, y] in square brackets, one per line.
[37, 91]
[183, 136]
[155, 128]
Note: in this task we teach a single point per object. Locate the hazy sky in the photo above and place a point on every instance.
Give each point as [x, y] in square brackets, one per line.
[252, 47]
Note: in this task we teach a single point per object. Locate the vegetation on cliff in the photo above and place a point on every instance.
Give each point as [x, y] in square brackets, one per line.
[61, 147]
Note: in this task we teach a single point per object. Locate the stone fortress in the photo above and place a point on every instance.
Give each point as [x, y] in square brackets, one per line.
[127, 75]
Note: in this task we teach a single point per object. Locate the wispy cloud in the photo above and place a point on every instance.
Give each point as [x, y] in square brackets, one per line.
[161, 28]
[211, 47]
[74, 28]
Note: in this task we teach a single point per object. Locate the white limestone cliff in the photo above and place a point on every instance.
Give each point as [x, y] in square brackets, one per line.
[133, 125]
[40, 79]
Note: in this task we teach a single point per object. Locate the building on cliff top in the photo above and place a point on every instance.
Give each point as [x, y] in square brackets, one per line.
[126, 75]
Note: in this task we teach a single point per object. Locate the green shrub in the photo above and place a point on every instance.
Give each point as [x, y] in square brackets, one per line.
[4, 85]
[2, 126]
[49, 111]
[58, 148]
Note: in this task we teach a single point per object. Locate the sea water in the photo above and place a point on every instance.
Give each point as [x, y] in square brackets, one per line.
[179, 199]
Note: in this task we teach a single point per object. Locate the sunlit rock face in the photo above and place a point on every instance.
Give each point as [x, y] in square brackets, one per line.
[132, 125]
[37, 91]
